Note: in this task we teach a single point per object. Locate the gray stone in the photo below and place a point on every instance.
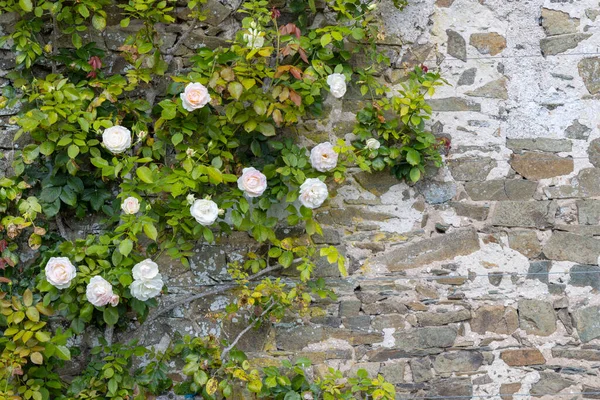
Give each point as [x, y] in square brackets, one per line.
[526, 214]
[592, 13]
[393, 372]
[585, 275]
[495, 278]
[421, 369]
[539, 270]
[536, 166]
[436, 192]
[490, 43]
[467, 78]
[558, 23]
[589, 70]
[520, 189]
[539, 144]
[525, 242]
[442, 318]
[590, 392]
[388, 306]
[537, 317]
[377, 183]
[588, 211]
[472, 211]
[594, 152]
[550, 382]
[457, 46]
[215, 12]
[415, 55]
[589, 182]
[458, 361]
[454, 104]
[493, 90]
[559, 44]
[577, 131]
[587, 322]
[451, 389]
[471, 169]
[357, 322]
[299, 337]
[496, 319]
[427, 251]
[381, 322]
[425, 338]
[349, 308]
[488, 190]
[564, 246]
[576, 354]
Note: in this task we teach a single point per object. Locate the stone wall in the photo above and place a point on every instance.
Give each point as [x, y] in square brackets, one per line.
[483, 279]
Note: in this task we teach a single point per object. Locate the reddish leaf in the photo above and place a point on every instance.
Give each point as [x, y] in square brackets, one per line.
[296, 72]
[282, 70]
[286, 51]
[295, 97]
[4, 280]
[2, 245]
[303, 55]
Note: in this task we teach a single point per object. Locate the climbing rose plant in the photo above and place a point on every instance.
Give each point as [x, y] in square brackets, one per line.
[164, 170]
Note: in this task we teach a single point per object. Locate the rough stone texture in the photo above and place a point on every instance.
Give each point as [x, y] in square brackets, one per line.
[425, 338]
[496, 319]
[522, 357]
[594, 152]
[539, 144]
[436, 192]
[558, 22]
[458, 361]
[491, 43]
[587, 322]
[537, 317]
[457, 46]
[588, 212]
[445, 318]
[559, 44]
[493, 90]
[445, 247]
[471, 169]
[526, 214]
[467, 78]
[525, 242]
[564, 246]
[578, 131]
[454, 104]
[585, 275]
[550, 382]
[589, 70]
[535, 166]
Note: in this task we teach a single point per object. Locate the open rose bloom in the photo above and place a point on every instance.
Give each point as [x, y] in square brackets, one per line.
[194, 96]
[60, 272]
[323, 157]
[204, 211]
[337, 85]
[116, 139]
[252, 182]
[313, 193]
[99, 292]
[147, 282]
[130, 205]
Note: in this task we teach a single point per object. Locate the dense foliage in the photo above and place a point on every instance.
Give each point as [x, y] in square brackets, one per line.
[164, 170]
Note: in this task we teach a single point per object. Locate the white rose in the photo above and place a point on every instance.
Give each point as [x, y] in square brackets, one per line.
[190, 199]
[337, 85]
[144, 289]
[323, 157]
[254, 38]
[116, 139]
[146, 269]
[130, 205]
[205, 211]
[313, 192]
[194, 96]
[373, 144]
[99, 292]
[60, 272]
[252, 182]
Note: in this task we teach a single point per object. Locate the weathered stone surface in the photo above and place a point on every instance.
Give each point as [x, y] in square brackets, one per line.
[451, 388]
[587, 322]
[550, 382]
[349, 308]
[454, 104]
[467, 78]
[445, 247]
[558, 23]
[425, 338]
[415, 55]
[488, 190]
[589, 182]
[594, 152]
[576, 354]
[491, 43]
[437, 319]
[526, 214]
[299, 337]
[537, 317]
[522, 357]
[215, 12]
[588, 211]
[589, 70]
[564, 246]
[471, 169]
[377, 183]
[539, 270]
[578, 131]
[351, 215]
[591, 392]
[507, 389]
[421, 369]
[476, 212]
[388, 306]
[457, 46]
[381, 322]
[458, 361]
[525, 242]
[520, 189]
[496, 319]
[559, 44]
[585, 275]
[539, 144]
[436, 192]
[393, 371]
[536, 166]
[493, 90]
[444, 3]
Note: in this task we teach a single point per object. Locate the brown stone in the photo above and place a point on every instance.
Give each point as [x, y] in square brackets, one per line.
[490, 43]
[497, 319]
[564, 246]
[444, 3]
[525, 242]
[506, 389]
[537, 166]
[558, 23]
[523, 357]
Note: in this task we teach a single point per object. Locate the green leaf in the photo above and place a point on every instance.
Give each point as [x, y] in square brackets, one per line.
[68, 196]
[62, 352]
[415, 174]
[150, 231]
[125, 247]
[235, 89]
[50, 194]
[99, 22]
[292, 396]
[73, 151]
[145, 48]
[145, 174]
[26, 5]
[413, 157]
[266, 129]
[47, 148]
[325, 39]
[177, 138]
[76, 39]
[110, 315]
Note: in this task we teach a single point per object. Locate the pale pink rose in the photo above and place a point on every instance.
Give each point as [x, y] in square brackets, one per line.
[114, 300]
[99, 292]
[252, 182]
[323, 157]
[313, 192]
[194, 96]
[130, 205]
[60, 272]
[116, 139]
[337, 85]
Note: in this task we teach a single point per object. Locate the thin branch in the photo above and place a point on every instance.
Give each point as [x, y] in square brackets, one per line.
[211, 292]
[61, 227]
[242, 333]
[54, 42]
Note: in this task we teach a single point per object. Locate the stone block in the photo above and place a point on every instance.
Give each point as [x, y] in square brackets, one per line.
[454, 104]
[457, 45]
[585, 275]
[496, 319]
[493, 90]
[559, 44]
[471, 169]
[587, 323]
[458, 362]
[526, 214]
[525, 242]
[425, 338]
[564, 246]
[589, 71]
[472, 211]
[535, 166]
[522, 357]
[557, 22]
[539, 144]
[490, 43]
[442, 318]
